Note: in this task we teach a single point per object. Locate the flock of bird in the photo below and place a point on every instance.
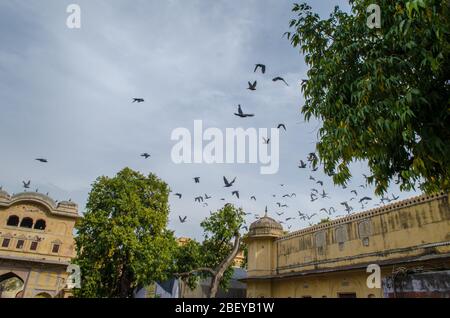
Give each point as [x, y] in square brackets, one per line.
[316, 193]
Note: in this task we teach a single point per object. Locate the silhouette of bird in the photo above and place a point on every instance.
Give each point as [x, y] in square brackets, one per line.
[309, 217]
[228, 184]
[394, 197]
[253, 198]
[286, 195]
[279, 204]
[145, 155]
[324, 194]
[138, 100]
[266, 140]
[362, 186]
[365, 199]
[182, 219]
[198, 199]
[280, 213]
[262, 66]
[289, 218]
[354, 191]
[278, 78]
[245, 228]
[26, 185]
[241, 114]
[207, 197]
[315, 169]
[312, 178]
[42, 160]
[315, 190]
[320, 182]
[252, 86]
[236, 193]
[282, 126]
[312, 157]
[302, 165]
[197, 179]
[179, 195]
[313, 197]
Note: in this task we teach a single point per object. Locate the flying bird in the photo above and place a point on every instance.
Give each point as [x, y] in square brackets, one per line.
[241, 114]
[324, 194]
[236, 193]
[198, 199]
[312, 178]
[354, 191]
[253, 198]
[278, 78]
[145, 155]
[262, 66]
[365, 199]
[252, 86]
[26, 185]
[207, 197]
[197, 179]
[302, 165]
[179, 195]
[282, 126]
[138, 100]
[394, 197]
[42, 160]
[320, 182]
[182, 220]
[280, 213]
[227, 183]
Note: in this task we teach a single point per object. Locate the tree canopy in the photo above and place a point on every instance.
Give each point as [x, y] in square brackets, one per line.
[382, 94]
[122, 241]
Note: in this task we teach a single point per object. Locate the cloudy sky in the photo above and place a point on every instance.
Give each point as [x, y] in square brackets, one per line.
[66, 95]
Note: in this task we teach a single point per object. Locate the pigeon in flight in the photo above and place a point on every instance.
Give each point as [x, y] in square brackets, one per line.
[228, 184]
[253, 198]
[197, 179]
[312, 178]
[262, 66]
[179, 195]
[394, 197]
[289, 218]
[324, 194]
[241, 114]
[26, 185]
[198, 199]
[282, 126]
[280, 79]
[236, 193]
[302, 165]
[320, 182]
[182, 220]
[138, 100]
[280, 213]
[41, 160]
[354, 191]
[252, 86]
[207, 197]
[365, 199]
[145, 155]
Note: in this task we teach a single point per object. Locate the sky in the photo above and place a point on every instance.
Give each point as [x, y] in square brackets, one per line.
[66, 95]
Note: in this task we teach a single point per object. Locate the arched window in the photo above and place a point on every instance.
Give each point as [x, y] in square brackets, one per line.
[13, 220]
[40, 225]
[27, 222]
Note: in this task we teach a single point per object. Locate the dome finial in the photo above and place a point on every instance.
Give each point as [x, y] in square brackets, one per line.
[265, 214]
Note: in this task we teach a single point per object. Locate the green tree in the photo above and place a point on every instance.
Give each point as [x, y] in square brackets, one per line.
[382, 94]
[213, 257]
[122, 241]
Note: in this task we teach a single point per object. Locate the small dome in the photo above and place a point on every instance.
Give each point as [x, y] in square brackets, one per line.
[265, 227]
[266, 222]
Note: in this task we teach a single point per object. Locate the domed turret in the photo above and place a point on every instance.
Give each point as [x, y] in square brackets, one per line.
[265, 226]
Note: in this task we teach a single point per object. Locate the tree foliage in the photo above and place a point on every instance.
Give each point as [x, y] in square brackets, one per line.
[382, 94]
[122, 241]
[208, 259]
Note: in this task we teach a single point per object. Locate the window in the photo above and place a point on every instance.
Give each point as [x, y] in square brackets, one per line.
[55, 248]
[33, 246]
[40, 225]
[27, 223]
[365, 241]
[6, 242]
[20, 244]
[13, 220]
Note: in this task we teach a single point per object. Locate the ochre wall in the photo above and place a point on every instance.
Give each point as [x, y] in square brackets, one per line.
[400, 232]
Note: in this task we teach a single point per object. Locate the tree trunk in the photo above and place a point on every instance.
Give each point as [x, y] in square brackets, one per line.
[222, 267]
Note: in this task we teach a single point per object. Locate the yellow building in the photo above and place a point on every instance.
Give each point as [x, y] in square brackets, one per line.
[403, 239]
[36, 245]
